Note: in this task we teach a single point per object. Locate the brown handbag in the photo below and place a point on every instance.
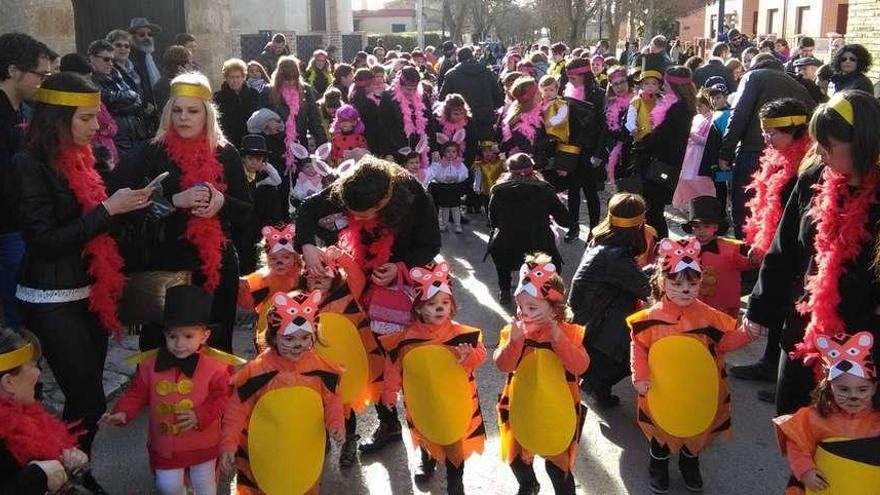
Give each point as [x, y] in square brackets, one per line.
[143, 299]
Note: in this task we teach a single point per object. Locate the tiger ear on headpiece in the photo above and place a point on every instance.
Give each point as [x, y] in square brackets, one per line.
[431, 280]
[850, 354]
[296, 311]
[535, 280]
[680, 254]
[279, 239]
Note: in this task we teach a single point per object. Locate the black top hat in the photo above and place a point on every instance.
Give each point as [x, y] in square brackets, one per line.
[142, 22]
[448, 47]
[254, 144]
[706, 209]
[187, 305]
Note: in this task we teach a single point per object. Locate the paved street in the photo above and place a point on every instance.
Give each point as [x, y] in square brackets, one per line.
[613, 453]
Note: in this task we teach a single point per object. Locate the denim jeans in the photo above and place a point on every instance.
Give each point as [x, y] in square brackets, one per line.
[744, 166]
[11, 254]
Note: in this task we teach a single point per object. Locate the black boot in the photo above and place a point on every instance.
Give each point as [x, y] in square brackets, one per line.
[387, 432]
[425, 468]
[454, 479]
[760, 371]
[690, 471]
[659, 472]
[349, 453]
[89, 482]
[525, 475]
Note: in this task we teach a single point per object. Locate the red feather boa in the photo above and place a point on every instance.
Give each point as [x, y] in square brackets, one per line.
[198, 164]
[841, 217]
[776, 170]
[77, 165]
[30, 433]
[367, 255]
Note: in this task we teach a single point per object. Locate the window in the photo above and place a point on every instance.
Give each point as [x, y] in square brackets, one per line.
[318, 15]
[771, 20]
[398, 28]
[356, 25]
[801, 15]
[713, 26]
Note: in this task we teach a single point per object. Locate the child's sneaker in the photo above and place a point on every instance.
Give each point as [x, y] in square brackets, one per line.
[458, 229]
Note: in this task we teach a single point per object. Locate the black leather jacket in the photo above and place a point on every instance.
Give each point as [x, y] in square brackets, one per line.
[117, 96]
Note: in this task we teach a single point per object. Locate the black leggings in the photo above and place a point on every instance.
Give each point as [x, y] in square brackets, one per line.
[75, 345]
[591, 195]
[604, 372]
[563, 482]
[656, 196]
[503, 277]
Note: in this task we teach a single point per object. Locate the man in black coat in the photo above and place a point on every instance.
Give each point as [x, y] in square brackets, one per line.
[143, 48]
[715, 67]
[236, 102]
[480, 89]
[448, 61]
[764, 82]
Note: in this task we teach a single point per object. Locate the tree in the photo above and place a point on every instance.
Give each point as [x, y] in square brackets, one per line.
[514, 22]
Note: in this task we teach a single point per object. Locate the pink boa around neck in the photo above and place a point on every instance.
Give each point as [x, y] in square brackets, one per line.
[291, 98]
[527, 125]
[576, 92]
[448, 128]
[412, 110]
[613, 110]
[658, 113]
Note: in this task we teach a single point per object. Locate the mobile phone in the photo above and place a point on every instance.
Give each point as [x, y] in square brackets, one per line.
[159, 178]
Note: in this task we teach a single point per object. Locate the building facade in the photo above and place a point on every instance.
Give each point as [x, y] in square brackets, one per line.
[792, 18]
[386, 20]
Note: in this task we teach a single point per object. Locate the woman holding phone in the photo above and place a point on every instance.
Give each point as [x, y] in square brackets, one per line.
[207, 186]
[71, 278]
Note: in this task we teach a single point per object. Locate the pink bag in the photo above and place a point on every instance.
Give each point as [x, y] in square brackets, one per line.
[389, 308]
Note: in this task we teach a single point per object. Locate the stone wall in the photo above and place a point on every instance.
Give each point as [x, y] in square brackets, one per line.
[50, 21]
[210, 22]
[863, 27]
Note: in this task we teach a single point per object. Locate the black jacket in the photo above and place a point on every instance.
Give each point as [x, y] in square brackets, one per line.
[791, 256]
[11, 141]
[480, 89]
[714, 67]
[139, 60]
[307, 120]
[171, 250]
[17, 480]
[415, 244]
[604, 291]
[53, 225]
[519, 214]
[853, 80]
[391, 123]
[117, 96]
[235, 110]
[373, 132]
[761, 84]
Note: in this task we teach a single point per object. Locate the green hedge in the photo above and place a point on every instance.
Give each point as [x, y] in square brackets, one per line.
[406, 40]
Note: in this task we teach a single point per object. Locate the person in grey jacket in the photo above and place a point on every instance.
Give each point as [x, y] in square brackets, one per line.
[606, 289]
[741, 147]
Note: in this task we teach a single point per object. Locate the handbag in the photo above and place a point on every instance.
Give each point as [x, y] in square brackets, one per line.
[389, 308]
[143, 298]
[662, 174]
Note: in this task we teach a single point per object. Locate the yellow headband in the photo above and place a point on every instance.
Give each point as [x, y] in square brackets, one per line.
[194, 90]
[16, 358]
[68, 98]
[650, 73]
[627, 222]
[789, 121]
[843, 108]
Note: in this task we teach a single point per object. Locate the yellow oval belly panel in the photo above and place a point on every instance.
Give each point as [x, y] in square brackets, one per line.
[542, 412]
[683, 399]
[286, 438]
[848, 476]
[437, 394]
[340, 343]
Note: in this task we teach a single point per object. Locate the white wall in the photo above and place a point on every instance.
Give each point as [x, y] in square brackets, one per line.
[251, 16]
[383, 24]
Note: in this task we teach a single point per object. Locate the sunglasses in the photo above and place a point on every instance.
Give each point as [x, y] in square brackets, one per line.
[144, 34]
[121, 45]
[848, 59]
[105, 58]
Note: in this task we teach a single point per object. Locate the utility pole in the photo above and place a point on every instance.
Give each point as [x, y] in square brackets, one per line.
[420, 23]
[720, 28]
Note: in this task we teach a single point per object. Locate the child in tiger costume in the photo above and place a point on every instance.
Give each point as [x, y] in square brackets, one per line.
[678, 350]
[433, 361]
[539, 410]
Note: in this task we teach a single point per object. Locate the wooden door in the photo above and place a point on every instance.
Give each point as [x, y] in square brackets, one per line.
[93, 19]
[842, 16]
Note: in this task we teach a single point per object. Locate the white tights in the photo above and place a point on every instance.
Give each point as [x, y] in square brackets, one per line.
[202, 477]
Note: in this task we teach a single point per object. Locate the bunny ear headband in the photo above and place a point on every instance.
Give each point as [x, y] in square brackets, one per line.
[678, 255]
[534, 280]
[457, 137]
[318, 157]
[431, 280]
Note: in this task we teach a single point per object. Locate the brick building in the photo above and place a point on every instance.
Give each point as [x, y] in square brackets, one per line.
[863, 26]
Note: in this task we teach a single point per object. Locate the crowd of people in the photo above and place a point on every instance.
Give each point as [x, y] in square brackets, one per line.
[317, 195]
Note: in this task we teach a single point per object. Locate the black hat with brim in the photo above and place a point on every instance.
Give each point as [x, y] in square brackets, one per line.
[706, 209]
[253, 144]
[186, 306]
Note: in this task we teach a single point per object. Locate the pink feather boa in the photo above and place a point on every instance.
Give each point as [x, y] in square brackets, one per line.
[658, 113]
[527, 125]
[613, 110]
[412, 110]
[291, 97]
[576, 92]
[776, 169]
[449, 128]
[841, 217]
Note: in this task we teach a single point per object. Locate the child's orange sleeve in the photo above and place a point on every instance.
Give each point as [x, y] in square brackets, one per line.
[333, 416]
[570, 349]
[799, 460]
[508, 352]
[354, 276]
[236, 415]
[476, 359]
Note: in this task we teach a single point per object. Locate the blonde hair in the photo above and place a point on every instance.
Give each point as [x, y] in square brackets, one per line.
[212, 120]
[234, 64]
[287, 70]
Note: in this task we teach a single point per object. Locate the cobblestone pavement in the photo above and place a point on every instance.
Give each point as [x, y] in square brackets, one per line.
[613, 452]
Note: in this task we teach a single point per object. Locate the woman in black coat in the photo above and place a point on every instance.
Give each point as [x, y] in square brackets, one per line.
[236, 101]
[606, 289]
[366, 96]
[405, 111]
[521, 204]
[377, 203]
[207, 187]
[666, 144]
[849, 65]
[65, 216]
[793, 253]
